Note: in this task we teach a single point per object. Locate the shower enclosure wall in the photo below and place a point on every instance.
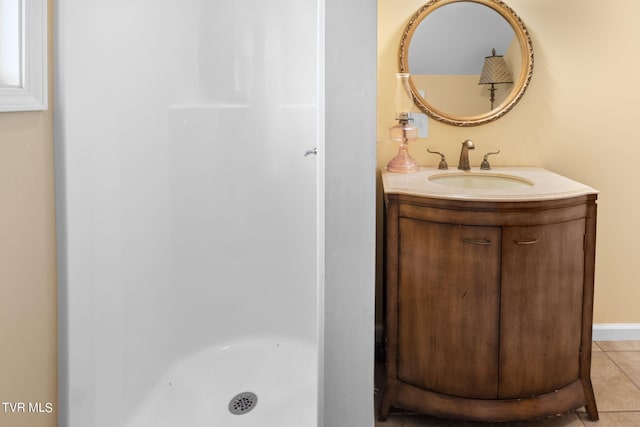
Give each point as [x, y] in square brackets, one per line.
[189, 219]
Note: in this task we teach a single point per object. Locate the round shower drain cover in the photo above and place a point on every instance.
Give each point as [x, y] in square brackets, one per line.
[242, 403]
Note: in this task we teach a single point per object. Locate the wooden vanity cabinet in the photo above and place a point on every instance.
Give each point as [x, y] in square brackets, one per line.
[488, 307]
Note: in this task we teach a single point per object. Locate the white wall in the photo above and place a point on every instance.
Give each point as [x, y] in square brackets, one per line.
[350, 213]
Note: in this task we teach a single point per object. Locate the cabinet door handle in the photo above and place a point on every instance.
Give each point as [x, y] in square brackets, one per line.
[526, 242]
[482, 242]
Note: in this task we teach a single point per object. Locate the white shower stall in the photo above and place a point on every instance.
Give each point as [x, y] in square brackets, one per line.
[197, 254]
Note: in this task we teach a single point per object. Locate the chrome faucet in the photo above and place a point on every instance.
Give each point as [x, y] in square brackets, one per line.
[463, 163]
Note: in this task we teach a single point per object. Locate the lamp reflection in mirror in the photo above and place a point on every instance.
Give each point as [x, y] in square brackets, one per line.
[494, 71]
[403, 132]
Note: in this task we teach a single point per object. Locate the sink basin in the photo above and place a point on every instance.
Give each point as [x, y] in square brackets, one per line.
[483, 181]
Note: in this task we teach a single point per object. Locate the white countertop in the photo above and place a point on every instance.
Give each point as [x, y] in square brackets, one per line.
[547, 185]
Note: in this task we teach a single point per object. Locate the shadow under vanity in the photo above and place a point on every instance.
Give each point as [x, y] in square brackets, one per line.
[488, 273]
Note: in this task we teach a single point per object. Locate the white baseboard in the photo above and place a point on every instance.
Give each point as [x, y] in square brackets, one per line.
[616, 332]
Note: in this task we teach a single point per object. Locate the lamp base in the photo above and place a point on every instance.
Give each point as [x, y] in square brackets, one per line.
[403, 133]
[403, 162]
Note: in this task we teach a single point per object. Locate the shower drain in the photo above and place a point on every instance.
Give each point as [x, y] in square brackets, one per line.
[242, 403]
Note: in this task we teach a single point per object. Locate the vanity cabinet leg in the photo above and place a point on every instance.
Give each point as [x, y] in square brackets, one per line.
[590, 407]
[385, 404]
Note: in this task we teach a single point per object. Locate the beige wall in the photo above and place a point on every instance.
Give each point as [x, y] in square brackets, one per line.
[28, 337]
[579, 118]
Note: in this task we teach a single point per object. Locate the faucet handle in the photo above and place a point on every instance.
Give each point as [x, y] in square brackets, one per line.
[485, 162]
[443, 162]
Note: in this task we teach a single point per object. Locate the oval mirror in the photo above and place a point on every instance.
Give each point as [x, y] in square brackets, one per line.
[470, 60]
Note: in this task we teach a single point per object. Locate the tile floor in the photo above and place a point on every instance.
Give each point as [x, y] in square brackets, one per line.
[615, 373]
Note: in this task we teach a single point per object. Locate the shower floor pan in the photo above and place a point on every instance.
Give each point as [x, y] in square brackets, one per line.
[265, 382]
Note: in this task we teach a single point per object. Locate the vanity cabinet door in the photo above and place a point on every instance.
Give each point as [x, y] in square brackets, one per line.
[448, 307]
[541, 309]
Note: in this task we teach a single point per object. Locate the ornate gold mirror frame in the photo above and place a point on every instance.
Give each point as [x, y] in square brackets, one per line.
[520, 81]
